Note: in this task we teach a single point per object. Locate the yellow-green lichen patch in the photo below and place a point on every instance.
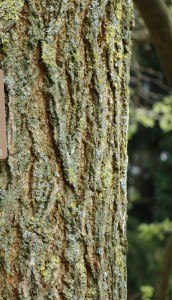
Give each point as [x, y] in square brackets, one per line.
[110, 34]
[49, 54]
[47, 270]
[10, 9]
[119, 12]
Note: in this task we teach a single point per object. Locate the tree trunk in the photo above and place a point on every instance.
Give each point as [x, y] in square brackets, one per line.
[63, 186]
[164, 278]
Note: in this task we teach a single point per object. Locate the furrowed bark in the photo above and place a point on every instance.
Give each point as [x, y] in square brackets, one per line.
[63, 187]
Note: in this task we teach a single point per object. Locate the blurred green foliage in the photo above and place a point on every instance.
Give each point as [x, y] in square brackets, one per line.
[147, 292]
[150, 170]
[148, 231]
[163, 110]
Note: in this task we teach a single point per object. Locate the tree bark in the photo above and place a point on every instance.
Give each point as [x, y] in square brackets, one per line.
[63, 187]
[163, 284]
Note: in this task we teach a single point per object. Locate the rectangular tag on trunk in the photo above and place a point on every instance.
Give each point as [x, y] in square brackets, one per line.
[3, 138]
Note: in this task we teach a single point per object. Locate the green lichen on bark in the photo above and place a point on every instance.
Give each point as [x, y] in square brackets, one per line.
[10, 9]
[63, 186]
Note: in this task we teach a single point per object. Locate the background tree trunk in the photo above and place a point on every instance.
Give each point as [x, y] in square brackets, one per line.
[157, 18]
[164, 278]
[63, 187]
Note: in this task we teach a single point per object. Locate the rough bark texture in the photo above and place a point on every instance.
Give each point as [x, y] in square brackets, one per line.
[63, 186]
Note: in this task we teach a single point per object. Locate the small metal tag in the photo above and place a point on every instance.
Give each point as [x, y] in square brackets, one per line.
[3, 138]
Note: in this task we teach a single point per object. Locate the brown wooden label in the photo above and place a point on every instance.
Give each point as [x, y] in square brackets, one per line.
[3, 138]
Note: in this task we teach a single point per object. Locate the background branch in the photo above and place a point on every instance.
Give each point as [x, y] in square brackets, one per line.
[159, 22]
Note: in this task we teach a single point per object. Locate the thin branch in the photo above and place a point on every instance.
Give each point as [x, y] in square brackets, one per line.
[152, 80]
[141, 36]
[151, 72]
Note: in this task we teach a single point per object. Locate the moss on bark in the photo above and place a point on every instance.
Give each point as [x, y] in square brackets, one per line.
[63, 186]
